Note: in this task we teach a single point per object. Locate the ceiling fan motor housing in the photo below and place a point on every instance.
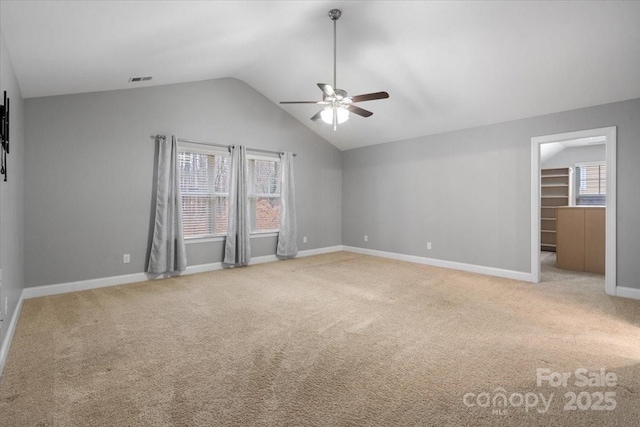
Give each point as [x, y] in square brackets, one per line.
[340, 95]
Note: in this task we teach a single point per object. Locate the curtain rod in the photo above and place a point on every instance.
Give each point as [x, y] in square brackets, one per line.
[258, 150]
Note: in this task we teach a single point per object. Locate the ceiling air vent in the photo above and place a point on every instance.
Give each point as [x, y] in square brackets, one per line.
[139, 79]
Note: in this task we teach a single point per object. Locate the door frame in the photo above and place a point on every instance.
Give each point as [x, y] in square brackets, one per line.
[610, 133]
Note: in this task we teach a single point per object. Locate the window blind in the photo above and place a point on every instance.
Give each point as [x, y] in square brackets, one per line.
[264, 194]
[592, 184]
[204, 187]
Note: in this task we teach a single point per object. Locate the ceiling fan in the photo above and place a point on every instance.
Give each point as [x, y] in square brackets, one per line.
[337, 103]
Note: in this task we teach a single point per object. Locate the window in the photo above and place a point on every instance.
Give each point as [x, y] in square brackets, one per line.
[591, 184]
[264, 194]
[204, 188]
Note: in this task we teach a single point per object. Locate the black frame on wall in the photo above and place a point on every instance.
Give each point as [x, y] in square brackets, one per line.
[4, 135]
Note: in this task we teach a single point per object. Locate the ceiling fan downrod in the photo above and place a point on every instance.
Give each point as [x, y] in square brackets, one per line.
[334, 14]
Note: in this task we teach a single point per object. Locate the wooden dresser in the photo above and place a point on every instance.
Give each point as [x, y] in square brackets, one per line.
[581, 238]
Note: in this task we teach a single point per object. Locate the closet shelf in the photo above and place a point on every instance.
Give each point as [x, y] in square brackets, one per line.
[555, 189]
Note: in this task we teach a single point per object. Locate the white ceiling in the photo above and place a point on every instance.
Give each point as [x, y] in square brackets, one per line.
[446, 65]
[551, 149]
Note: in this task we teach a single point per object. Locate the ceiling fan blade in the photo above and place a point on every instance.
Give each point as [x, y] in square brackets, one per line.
[304, 102]
[359, 111]
[369, 96]
[327, 89]
[317, 116]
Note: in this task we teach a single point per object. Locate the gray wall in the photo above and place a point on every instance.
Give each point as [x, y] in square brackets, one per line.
[570, 156]
[12, 197]
[91, 170]
[90, 182]
[468, 192]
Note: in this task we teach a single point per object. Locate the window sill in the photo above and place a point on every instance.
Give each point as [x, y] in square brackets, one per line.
[193, 240]
[188, 241]
[264, 234]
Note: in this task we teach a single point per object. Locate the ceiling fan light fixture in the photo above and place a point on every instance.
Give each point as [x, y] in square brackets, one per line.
[327, 115]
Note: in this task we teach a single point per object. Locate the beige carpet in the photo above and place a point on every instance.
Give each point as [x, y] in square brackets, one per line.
[333, 340]
[551, 273]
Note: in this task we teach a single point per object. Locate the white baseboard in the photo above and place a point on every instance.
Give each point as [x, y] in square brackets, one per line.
[272, 258]
[624, 292]
[491, 271]
[263, 259]
[193, 269]
[8, 336]
[83, 285]
[320, 251]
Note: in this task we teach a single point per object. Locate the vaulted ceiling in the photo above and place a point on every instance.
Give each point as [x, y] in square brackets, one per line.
[446, 65]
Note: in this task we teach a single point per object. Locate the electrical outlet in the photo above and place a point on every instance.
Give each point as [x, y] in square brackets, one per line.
[429, 245]
[126, 258]
[366, 238]
[304, 239]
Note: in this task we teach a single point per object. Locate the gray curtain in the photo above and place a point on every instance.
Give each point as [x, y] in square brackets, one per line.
[237, 249]
[167, 250]
[287, 238]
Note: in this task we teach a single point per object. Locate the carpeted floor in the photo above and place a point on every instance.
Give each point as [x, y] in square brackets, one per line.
[332, 340]
[549, 272]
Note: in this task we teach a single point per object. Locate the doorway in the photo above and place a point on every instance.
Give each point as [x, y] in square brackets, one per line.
[608, 136]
